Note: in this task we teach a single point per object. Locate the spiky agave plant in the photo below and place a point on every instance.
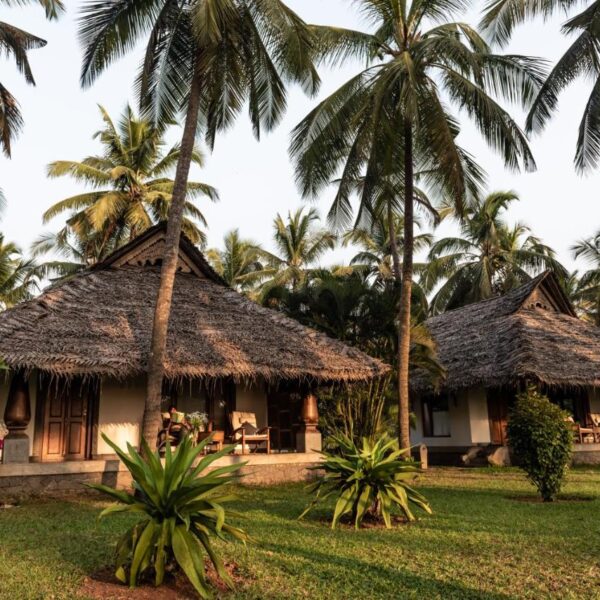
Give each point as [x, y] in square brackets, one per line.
[181, 509]
[369, 479]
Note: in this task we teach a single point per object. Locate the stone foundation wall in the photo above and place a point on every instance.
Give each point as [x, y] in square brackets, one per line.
[38, 483]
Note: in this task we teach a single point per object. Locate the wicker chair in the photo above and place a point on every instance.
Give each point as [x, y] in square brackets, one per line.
[246, 432]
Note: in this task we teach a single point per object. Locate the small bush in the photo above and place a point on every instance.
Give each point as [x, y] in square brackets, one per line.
[367, 479]
[542, 439]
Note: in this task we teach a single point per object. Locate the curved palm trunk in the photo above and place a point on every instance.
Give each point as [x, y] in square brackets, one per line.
[152, 417]
[406, 292]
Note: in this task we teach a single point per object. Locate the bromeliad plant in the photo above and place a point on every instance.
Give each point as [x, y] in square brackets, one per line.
[182, 512]
[370, 479]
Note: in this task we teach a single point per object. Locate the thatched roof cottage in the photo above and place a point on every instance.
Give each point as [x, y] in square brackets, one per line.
[491, 350]
[84, 342]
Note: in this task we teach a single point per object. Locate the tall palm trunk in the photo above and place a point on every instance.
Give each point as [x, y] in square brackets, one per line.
[406, 291]
[156, 367]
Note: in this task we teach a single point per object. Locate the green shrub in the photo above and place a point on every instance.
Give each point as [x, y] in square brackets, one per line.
[541, 439]
[181, 512]
[369, 479]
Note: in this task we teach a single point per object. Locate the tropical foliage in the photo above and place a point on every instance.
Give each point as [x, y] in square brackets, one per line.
[488, 259]
[579, 61]
[130, 190]
[18, 275]
[181, 513]
[541, 438]
[394, 119]
[17, 43]
[367, 479]
[239, 263]
[299, 244]
[587, 291]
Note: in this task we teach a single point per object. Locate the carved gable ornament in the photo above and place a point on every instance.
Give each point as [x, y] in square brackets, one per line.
[150, 253]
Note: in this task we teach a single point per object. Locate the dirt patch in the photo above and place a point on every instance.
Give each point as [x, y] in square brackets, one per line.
[559, 500]
[369, 522]
[103, 585]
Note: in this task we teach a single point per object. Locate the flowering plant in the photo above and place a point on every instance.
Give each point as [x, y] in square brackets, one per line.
[197, 421]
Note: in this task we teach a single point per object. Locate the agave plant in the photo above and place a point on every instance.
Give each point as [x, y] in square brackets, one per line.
[181, 512]
[370, 479]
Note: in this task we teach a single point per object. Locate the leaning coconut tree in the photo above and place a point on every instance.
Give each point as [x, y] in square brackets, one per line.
[205, 59]
[394, 118]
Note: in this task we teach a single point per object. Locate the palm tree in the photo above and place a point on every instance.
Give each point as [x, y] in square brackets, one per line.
[393, 119]
[488, 259]
[587, 293]
[373, 239]
[16, 42]
[580, 60]
[299, 245]
[238, 263]
[206, 58]
[18, 276]
[130, 189]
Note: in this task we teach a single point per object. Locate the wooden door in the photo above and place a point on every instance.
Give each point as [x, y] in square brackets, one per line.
[66, 424]
[498, 402]
[284, 410]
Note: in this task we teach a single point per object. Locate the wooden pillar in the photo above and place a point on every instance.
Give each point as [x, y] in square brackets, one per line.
[308, 439]
[17, 415]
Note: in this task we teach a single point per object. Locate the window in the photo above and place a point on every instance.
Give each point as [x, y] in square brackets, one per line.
[436, 416]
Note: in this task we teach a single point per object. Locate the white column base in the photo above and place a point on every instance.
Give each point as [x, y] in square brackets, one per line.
[309, 442]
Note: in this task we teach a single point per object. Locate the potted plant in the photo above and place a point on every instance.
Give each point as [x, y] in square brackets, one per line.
[197, 422]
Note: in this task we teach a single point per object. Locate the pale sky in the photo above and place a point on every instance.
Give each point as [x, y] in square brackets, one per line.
[255, 180]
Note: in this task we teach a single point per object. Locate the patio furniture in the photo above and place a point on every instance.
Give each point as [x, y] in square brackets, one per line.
[594, 422]
[174, 429]
[216, 442]
[246, 431]
[582, 434]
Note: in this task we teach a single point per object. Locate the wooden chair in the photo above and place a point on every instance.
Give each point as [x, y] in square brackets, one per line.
[594, 422]
[580, 432]
[173, 431]
[246, 432]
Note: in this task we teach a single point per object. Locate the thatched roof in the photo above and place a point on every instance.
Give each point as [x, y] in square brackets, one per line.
[531, 333]
[99, 323]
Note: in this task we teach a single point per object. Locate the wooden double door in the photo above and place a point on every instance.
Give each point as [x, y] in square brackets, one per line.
[67, 432]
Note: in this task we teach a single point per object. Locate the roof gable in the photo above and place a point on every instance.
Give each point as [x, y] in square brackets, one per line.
[148, 249]
[548, 295]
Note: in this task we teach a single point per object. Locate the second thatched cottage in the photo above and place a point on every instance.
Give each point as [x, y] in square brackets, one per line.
[491, 350]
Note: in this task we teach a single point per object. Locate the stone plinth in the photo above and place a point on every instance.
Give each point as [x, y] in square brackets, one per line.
[16, 449]
[309, 441]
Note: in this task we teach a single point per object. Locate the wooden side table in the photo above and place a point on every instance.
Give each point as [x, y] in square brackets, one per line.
[217, 439]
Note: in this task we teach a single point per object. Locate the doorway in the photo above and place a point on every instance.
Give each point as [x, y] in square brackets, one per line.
[67, 431]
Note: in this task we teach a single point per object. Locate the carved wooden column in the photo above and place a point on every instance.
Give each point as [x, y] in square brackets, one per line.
[308, 439]
[17, 415]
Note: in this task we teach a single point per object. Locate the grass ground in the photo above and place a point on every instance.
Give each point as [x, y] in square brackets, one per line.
[482, 542]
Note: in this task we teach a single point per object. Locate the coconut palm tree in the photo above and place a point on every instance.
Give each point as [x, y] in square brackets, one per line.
[239, 263]
[375, 254]
[394, 118]
[207, 59]
[488, 259]
[579, 61]
[130, 187]
[587, 293]
[18, 276]
[299, 245]
[16, 42]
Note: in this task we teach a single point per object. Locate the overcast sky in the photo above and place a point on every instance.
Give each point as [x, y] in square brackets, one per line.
[255, 180]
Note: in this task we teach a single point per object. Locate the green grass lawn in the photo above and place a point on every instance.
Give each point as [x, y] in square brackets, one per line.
[480, 543]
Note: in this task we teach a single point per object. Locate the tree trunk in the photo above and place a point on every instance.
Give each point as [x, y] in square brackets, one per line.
[406, 292]
[152, 418]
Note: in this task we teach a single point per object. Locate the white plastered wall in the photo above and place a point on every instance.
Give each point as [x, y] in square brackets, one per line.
[468, 421]
[120, 413]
